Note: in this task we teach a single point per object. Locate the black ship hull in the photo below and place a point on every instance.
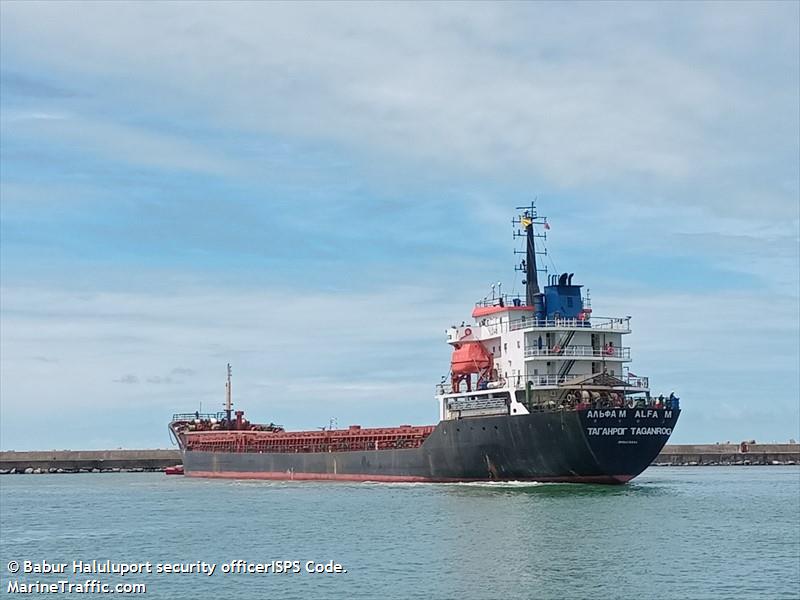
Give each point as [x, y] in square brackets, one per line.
[590, 446]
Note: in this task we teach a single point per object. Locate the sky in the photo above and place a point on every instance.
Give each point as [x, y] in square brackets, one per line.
[315, 192]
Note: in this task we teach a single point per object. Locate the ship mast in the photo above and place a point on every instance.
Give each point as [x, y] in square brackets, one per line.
[228, 403]
[533, 294]
[531, 276]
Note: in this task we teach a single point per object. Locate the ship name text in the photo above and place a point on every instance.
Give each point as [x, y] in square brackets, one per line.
[633, 430]
[622, 413]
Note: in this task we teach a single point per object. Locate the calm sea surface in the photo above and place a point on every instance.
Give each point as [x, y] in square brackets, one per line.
[685, 532]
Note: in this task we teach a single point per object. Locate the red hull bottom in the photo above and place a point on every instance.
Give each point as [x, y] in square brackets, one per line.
[284, 476]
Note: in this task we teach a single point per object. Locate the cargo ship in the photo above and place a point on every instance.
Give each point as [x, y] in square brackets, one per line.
[539, 389]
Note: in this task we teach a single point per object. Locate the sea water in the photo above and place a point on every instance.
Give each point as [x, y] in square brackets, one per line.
[684, 532]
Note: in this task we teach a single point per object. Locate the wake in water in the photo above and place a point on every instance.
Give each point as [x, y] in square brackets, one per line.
[460, 484]
[411, 484]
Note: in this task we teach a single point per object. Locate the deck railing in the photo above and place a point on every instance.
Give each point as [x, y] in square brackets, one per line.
[494, 327]
[190, 417]
[549, 380]
[545, 380]
[519, 382]
[621, 324]
[590, 351]
[637, 382]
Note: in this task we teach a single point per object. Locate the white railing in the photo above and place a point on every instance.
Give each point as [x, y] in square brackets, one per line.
[590, 351]
[546, 380]
[622, 324]
[637, 382]
[553, 380]
[612, 323]
[489, 327]
[446, 387]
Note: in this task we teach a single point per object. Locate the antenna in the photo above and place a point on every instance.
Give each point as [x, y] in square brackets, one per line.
[228, 403]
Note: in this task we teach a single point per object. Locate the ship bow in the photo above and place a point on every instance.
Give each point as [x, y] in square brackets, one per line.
[625, 441]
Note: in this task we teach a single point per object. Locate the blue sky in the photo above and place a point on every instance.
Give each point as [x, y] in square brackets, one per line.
[314, 192]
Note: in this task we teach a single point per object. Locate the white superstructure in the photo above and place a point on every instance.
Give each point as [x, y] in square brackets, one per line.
[544, 352]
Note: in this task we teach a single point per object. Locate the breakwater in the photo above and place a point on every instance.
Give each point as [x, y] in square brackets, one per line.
[77, 461]
[728, 454]
[97, 461]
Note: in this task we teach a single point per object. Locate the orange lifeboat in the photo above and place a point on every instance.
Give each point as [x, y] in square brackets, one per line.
[468, 358]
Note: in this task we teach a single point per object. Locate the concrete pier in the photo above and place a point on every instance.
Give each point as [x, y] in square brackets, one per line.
[49, 461]
[70, 461]
[728, 454]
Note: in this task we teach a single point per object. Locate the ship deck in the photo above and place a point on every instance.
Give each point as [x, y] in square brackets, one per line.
[328, 440]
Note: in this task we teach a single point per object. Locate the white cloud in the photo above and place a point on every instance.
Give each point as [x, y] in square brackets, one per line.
[136, 145]
[574, 93]
[12, 115]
